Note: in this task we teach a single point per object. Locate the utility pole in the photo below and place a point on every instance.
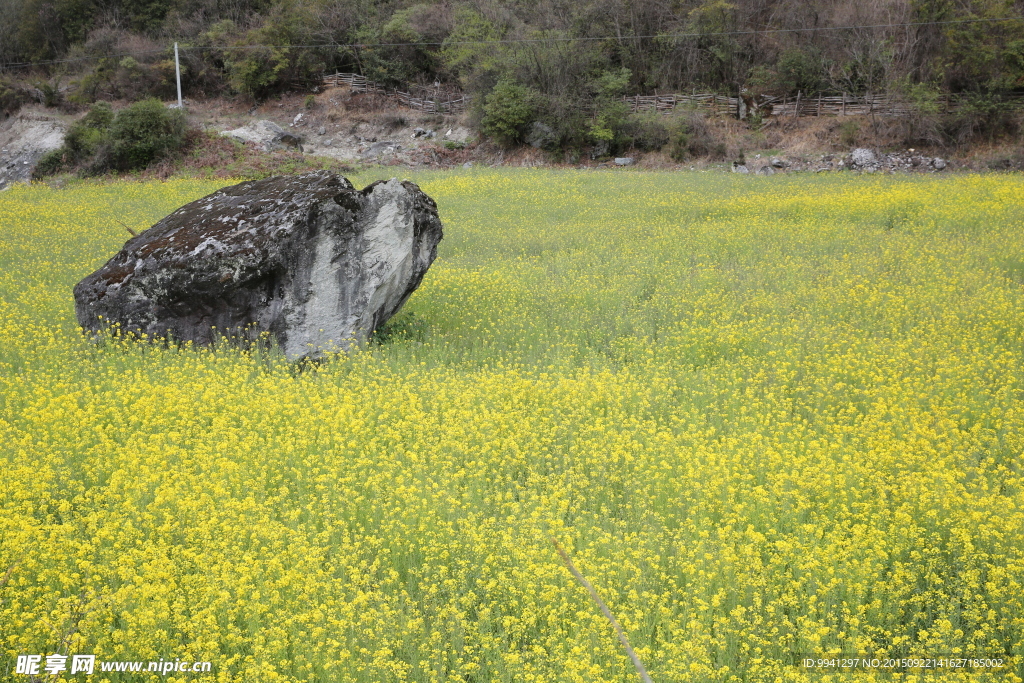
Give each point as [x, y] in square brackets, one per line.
[177, 74]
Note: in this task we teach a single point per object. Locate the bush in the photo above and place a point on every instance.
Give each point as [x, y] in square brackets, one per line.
[610, 130]
[83, 141]
[980, 117]
[51, 94]
[692, 137]
[88, 133]
[849, 132]
[257, 72]
[12, 96]
[508, 108]
[922, 125]
[800, 71]
[143, 133]
[50, 163]
[101, 141]
[646, 132]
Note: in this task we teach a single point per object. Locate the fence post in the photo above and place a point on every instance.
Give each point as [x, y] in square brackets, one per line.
[844, 103]
[796, 108]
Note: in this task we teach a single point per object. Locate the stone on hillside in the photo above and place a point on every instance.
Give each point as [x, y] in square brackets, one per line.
[938, 163]
[266, 135]
[863, 157]
[623, 161]
[307, 259]
[541, 136]
[381, 148]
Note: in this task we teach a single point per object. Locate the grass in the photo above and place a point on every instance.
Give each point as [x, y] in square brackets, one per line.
[211, 156]
[766, 417]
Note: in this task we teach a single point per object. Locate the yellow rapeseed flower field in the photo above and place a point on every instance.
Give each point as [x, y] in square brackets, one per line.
[769, 418]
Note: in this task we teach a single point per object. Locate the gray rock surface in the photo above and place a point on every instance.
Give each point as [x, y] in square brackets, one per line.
[863, 157]
[541, 136]
[381, 148]
[24, 139]
[266, 135]
[623, 161]
[307, 259]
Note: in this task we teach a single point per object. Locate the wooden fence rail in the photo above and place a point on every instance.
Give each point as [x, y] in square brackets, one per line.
[442, 100]
[801, 105]
[435, 100]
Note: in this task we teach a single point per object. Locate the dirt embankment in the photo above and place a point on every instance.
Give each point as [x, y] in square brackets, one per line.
[358, 129]
[24, 139]
[355, 129]
[341, 130]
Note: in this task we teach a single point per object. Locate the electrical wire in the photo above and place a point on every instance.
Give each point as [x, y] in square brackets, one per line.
[508, 41]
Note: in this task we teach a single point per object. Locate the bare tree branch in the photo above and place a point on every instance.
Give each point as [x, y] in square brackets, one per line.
[607, 613]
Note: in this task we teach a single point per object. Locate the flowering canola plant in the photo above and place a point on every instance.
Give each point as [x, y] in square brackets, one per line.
[769, 418]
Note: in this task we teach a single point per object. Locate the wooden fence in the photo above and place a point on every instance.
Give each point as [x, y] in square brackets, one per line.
[801, 105]
[442, 100]
[436, 100]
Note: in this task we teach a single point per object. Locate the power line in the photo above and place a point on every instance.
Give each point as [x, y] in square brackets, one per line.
[509, 41]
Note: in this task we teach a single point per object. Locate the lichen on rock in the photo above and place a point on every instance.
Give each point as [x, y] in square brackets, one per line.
[307, 260]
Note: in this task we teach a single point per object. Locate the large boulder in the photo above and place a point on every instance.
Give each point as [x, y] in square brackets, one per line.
[307, 259]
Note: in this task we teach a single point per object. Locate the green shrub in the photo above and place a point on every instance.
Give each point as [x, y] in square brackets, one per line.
[51, 94]
[100, 116]
[143, 133]
[800, 71]
[646, 132]
[50, 163]
[12, 96]
[508, 108]
[257, 72]
[83, 140]
[610, 128]
[692, 137]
